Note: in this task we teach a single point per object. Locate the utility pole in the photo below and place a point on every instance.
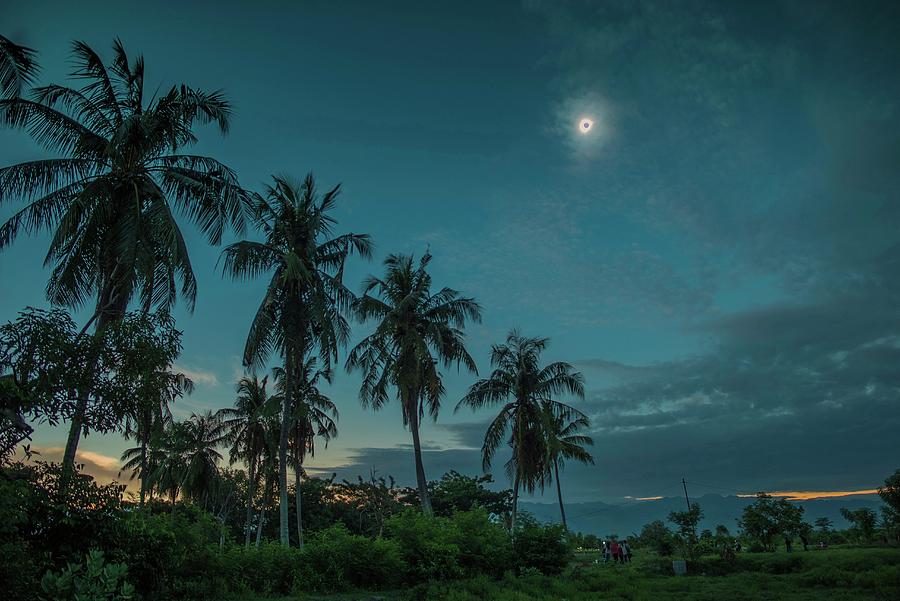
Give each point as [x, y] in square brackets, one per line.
[687, 500]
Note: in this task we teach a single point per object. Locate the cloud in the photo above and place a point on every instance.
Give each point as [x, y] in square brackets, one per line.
[198, 376]
[103, 468]
[791, 397]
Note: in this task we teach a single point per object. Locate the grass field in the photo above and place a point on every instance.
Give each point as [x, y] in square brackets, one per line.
[851, 574]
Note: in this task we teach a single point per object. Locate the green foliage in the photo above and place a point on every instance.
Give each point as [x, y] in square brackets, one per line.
[863, 521]
[428, 545]
[686, 536]
[542, 548]
[484, 545]
[457, 492]
[46, 362]
[768, 517]
[95, 580]
[657, 537]
[335, 560]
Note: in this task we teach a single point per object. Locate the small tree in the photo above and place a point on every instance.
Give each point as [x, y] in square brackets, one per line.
[824, 526]
[863, 520]
[657, 537]
[768, 517]
[686, 535]
[890, 512]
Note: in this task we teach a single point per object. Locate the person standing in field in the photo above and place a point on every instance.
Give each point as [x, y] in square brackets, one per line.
[626, 552]
[616, 551]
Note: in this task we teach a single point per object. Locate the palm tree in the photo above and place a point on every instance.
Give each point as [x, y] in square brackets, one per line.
[145, 418]
[416, 330]
[315, 415]
[167, 458]
[246, 427]
[527, 389]
[301, 311]
[188, 458]
[269, 463]
[17, 68]
[564, 442]
[109, 195]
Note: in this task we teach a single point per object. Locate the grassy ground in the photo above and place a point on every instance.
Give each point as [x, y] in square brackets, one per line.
[851, 574]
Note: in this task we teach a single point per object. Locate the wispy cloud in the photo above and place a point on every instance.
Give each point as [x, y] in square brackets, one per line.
[198, 376]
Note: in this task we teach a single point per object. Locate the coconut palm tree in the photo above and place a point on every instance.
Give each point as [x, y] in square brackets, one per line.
[145, 418]
[301, 312]
[415, 332]
[564, 442]
[167, 452]
[189, 458]
[205, 433]
[18, 68]
[109, 195]
[246, 430]
[316, 415]
[527, 391]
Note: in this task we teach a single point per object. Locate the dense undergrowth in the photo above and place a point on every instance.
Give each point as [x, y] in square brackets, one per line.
[45, 537]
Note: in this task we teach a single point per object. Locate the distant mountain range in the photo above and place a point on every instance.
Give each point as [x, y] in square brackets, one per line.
[623, 519]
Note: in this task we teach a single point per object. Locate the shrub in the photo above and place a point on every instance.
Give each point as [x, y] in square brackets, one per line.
[336, 560]
[543, 548]
[95, 580]
[484, 546]
[428, 545]
[171, 555]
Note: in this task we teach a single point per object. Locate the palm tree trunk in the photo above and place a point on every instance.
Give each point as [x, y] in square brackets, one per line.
[250, 485]
[286, 415]
[143, 470]
[562, 509]
[421, 482]
[298, 479]
[108, 310]
[515, 503]
[262, 511]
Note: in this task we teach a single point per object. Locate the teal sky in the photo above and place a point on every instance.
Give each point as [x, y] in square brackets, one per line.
[719, 255]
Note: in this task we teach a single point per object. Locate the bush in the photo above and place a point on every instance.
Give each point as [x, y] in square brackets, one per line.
[484, 546]
[543, 548]
[428, 545]
[95, 580]
[336, 560]
[171, 555]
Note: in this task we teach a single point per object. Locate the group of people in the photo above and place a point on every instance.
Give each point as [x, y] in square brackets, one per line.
[619, 552]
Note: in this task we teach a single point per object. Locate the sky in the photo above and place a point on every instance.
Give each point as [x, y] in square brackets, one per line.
[718, 256]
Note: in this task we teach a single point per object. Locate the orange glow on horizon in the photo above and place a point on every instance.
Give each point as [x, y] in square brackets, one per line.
[798, 495]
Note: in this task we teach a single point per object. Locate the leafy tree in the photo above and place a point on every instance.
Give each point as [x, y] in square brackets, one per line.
[564, 442]
[371, 501]
[824, 525]
[768, 517]
[687, 522]
[528, 390]
[46, 365]
[18, 68]
[457, 492]
[301, 312]
[863, 520]
[109, 195]
[416, 331]
[245, 431]
[658, 537]
[890, 492]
